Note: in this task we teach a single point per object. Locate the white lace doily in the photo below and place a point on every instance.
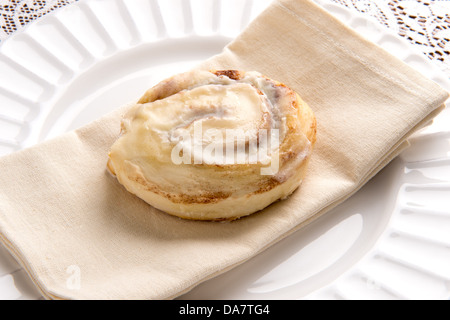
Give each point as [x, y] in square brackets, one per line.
[15, 14]
[425, 23]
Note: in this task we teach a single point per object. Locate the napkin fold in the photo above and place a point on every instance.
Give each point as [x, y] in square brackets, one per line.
[80, 235]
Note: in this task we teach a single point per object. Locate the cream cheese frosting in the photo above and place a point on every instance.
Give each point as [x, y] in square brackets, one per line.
[214, 145]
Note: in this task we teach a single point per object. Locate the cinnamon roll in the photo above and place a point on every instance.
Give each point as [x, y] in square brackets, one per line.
[214, 145]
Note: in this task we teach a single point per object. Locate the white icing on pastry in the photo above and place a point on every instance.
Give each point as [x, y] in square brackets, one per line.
[174, 150]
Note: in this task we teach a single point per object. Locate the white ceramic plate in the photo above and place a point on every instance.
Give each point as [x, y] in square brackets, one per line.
[390, 240]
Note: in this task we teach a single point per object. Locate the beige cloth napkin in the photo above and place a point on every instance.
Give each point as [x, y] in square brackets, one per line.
[80, 235]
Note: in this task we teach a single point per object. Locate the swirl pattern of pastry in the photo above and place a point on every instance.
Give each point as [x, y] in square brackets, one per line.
[214, 145]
